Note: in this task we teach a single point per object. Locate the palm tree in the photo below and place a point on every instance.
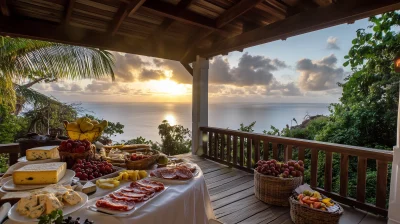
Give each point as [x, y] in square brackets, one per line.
[23, 60]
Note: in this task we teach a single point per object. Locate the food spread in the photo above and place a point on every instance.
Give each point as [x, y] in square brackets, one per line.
[40, 153]
[45, 201]
[125, 198]
[47, 173]
[123, 175]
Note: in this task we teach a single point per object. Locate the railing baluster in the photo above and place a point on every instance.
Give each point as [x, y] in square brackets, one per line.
[328, 171]
[235, 148]
[266, 149]
[301, 153]
[361, 178]
[256, 150]
[381, 183]
[210, 140]
[241, 158]
[344, 174]
[275, 150]
[314, 167]
[288, 152]
[228, 148]
[222, 149]
[216, 145]
[248, 164]
[204, 142]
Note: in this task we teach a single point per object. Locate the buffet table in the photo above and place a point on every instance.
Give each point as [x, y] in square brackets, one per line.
[184, 202]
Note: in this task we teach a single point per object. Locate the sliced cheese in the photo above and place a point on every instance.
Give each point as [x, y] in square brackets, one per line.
[46, 173]
[25, 205]
[36, 211]
[44, 152]
[52, 203]
[72, 198]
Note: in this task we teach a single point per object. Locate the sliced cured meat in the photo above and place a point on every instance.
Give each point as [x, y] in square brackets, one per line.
[183, 173]
[114, 204]
[142, 188]
[168, 174]
[132, 195]
[190, 166]
[158, 186]
[135, 190]
[121, 197]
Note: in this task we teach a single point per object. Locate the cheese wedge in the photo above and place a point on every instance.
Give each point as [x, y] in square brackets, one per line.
[46, 173]
[52, 203]
[43, 152]
[72, 198]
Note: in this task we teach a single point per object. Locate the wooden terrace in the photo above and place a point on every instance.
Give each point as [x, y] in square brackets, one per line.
[233, 200]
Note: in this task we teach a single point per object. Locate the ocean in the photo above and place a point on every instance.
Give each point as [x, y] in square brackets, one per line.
[142, 119]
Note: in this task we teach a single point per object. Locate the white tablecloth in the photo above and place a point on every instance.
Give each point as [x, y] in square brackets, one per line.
[184, 203]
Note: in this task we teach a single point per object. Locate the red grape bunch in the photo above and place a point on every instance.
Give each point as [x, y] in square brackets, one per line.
[89, 170]
[278, 169]
[75, 146]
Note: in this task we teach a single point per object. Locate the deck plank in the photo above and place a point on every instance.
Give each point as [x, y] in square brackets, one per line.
[233, 200]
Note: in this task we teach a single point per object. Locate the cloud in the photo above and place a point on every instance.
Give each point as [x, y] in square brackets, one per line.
[287, 89]
[99, 86]
[251, 70]
[126, 65]
[332, 43]
[149, 74]
[319, 75]
[62, 87]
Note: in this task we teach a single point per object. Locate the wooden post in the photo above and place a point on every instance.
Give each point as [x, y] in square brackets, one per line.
[394, 199]
[199, 102]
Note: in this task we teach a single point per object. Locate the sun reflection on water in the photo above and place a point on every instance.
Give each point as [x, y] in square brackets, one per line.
[171, 119]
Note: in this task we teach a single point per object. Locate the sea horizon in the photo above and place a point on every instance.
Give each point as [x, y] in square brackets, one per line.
[143, 118]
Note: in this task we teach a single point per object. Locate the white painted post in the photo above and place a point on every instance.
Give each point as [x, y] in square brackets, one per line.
[394, 200]
[199, 102]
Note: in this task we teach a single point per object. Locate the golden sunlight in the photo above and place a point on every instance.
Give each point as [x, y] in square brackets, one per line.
[170, 118]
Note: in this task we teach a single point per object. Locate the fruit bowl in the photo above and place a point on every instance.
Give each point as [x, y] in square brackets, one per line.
[75, 133]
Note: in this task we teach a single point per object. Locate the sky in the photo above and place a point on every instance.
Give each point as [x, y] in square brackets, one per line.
[300, 69]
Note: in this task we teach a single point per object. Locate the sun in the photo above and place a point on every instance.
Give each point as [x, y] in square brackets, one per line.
[167, 86]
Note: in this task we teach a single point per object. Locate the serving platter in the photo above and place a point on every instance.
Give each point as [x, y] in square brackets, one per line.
[23, 159]
[67, 209]
[10, 186]
[91, 205]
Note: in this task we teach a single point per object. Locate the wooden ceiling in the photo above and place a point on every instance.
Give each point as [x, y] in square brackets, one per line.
[178, 29]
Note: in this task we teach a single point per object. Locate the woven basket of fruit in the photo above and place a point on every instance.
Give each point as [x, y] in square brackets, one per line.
[141, 159]
[274, 182]
[314, 208]
[72, 150]
[84, 128]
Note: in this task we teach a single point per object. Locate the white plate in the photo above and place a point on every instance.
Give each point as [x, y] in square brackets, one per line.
[23, 159]
[10, 186]
[92, 205]
[67, 209]
[176, 181]
[116, 173]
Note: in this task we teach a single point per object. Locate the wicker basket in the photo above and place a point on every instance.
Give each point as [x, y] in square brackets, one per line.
[143, 163]
[301, 214]
[70, 158]
[274, 190]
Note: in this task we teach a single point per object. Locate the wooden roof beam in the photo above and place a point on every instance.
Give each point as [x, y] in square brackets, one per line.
[4, 8]
[68, 11]
[225, 18]
[43, 30]
[180, 7]
[311, 20]
[124, 10]
[168, 10]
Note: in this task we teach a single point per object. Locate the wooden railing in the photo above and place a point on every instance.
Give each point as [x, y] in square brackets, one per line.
[13, 151]
[242, 150]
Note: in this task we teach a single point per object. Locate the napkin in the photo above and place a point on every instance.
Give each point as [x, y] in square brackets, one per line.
[4, 211]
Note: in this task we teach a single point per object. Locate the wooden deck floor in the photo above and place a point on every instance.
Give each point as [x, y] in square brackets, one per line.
[233, 200]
